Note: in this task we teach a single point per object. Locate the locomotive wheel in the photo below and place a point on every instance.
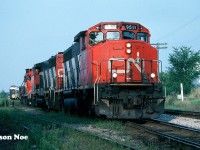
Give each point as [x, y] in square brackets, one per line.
[33, 102]
[21, 101]
[58, 102]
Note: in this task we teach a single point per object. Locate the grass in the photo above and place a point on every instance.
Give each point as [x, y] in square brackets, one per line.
[191, 102]
[72, 140]
[73, 119]
[43, 136]
[3, 102]
[48, 136]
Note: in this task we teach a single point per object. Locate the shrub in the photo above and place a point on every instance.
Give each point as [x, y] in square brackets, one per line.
[4, 102]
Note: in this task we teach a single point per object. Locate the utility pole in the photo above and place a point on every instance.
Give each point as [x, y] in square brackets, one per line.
[181, 91]
[159, 46]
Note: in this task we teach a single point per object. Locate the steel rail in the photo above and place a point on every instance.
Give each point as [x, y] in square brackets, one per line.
[165, 135]
[181, 112]
[176, 125]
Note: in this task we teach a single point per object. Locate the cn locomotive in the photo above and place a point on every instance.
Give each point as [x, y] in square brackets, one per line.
[14, 92]
[111, 70]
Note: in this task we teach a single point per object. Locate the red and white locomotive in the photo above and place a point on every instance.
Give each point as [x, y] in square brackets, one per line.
[111, 70]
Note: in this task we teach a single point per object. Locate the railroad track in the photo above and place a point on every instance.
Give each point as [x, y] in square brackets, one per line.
[190, 114]
[184, 137]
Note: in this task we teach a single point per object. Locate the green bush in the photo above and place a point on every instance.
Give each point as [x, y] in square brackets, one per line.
[195, 94]
[191, 102]
[4, 102]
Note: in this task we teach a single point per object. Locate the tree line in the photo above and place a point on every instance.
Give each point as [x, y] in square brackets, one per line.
[3, 94]
[184, 67]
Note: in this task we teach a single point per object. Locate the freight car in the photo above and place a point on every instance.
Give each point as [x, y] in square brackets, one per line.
[111, 70]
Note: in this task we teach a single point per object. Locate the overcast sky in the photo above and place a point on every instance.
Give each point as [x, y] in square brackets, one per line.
[33, 30]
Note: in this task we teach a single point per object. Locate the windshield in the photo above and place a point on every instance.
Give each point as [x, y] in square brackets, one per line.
[112, 35]
[95, 37]
[142, 36]
[128, 35]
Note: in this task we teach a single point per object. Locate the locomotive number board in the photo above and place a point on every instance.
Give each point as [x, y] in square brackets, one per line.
[130, 27]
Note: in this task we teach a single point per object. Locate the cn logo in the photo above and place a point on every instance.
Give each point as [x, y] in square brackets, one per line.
[60, 72]
[128, 66]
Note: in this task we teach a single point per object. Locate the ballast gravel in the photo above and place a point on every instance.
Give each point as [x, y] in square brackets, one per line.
[184, 121]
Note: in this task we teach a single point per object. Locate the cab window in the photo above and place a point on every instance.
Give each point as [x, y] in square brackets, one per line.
[128, 35]
[142, 36]
[112, 35]
[95, 38]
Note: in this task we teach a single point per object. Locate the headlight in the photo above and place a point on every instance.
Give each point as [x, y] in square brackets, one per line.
[114, 75]
[128, 45]
[128, 51]
[153, 75]
[13, 96]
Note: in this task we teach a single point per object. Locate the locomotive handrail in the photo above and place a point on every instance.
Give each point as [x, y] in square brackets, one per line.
[111, 70]
[96, 63]
[125, 67]
[159, 62]
[98, 88]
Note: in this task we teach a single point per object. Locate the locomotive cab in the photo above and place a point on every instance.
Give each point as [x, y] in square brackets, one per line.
[130, 57]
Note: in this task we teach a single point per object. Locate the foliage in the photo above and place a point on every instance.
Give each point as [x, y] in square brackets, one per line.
[184, 68]
[195, 94]
[191, 102]
[2, 94]
[43, 136]
[4, 102]
[165, 78]
[187, 105]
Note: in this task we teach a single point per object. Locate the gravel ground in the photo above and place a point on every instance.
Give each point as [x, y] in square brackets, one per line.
[184, 121]
[109, 134]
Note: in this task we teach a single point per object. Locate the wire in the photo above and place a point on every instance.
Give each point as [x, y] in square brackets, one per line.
[181, 27]
[193, 39]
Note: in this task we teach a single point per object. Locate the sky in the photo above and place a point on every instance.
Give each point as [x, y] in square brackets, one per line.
[32, 31]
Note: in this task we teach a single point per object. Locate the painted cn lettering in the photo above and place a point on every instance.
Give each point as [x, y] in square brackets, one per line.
[128, 65]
